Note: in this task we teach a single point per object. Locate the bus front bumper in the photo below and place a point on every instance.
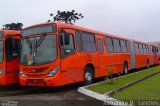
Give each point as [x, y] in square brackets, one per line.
[47, 81]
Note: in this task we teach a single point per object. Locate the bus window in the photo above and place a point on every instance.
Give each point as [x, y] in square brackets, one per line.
[137, 47]
[123, 46]
[141, 48]
[109, 43]
[88, 42]
[78, 41]
[100, 45]
[147, 48]
[116, 45]
[66, 48]
[1, 51]
[144, 48]
[150, 49]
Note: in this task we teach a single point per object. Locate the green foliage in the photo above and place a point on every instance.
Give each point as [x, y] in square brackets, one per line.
[145, 90]
[12, 26]
[66, 16]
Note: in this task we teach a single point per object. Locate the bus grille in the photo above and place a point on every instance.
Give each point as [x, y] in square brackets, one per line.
[35, 70]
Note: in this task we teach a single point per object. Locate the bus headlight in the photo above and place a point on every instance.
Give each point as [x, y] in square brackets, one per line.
[1, 71]
[21, 74]
[53, 72]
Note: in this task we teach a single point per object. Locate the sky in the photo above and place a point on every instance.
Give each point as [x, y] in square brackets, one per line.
[136, 19]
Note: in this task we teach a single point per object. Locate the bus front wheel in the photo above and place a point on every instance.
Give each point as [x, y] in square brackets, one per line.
[88, 76]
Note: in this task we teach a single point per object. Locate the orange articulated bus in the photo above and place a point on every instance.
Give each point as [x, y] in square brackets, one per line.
[157, 54]
[9, 57]
[56, 54]
[141, 54]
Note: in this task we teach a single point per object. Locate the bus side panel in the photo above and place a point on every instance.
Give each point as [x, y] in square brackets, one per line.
[72, 65]
[115, 61]
[151, 59]
[155, 59]
[12, 71]
[141, 60]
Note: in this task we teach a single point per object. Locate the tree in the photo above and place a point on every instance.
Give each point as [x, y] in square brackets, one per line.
[66, 16]
[12, 26]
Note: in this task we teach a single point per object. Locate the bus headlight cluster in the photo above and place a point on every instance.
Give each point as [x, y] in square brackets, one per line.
[1, 71]
[21, 74]
[53, 72]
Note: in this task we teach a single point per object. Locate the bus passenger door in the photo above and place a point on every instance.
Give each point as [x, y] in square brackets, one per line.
[12, 61]
[101, 56]
[69, 58]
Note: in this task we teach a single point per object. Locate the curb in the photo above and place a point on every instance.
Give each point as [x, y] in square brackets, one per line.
[91, 94]
[104, 98]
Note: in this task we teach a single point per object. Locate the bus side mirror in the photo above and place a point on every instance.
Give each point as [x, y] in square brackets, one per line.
[67, 39]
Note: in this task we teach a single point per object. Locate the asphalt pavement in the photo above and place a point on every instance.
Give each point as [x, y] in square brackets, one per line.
[15, 95]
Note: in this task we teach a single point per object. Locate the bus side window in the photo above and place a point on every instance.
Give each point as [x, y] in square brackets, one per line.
[140, 48]
[137, 47]
[66, 48]
[157, 51]
[88, 42]
[109, 44]
[123, 46]
[100, 45]
[78, 41]
[116, 45]
[144, 49]
[12, 48]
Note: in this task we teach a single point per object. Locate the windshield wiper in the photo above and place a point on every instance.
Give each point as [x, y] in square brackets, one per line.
[29, 43]
[40, 40]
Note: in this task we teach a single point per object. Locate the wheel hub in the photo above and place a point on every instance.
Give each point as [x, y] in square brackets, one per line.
[88, 76]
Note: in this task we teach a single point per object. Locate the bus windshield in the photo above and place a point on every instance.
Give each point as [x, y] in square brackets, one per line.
[38, 50]
[1, 51]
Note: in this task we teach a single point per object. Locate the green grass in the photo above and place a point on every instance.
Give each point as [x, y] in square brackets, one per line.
[105, 87]
[148, 89]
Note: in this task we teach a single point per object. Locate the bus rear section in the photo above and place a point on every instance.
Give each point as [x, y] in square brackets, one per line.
[141, 54]
[9, 57]
[157, 54]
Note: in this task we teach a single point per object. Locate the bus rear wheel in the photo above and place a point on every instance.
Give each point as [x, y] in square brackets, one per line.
[148, 65]
[125, 68]
[159, 62]
[88, 76]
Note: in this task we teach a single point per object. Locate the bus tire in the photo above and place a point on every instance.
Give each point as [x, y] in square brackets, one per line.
[159, 62]
[88, 76]
[125, 68]
[148, 65]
